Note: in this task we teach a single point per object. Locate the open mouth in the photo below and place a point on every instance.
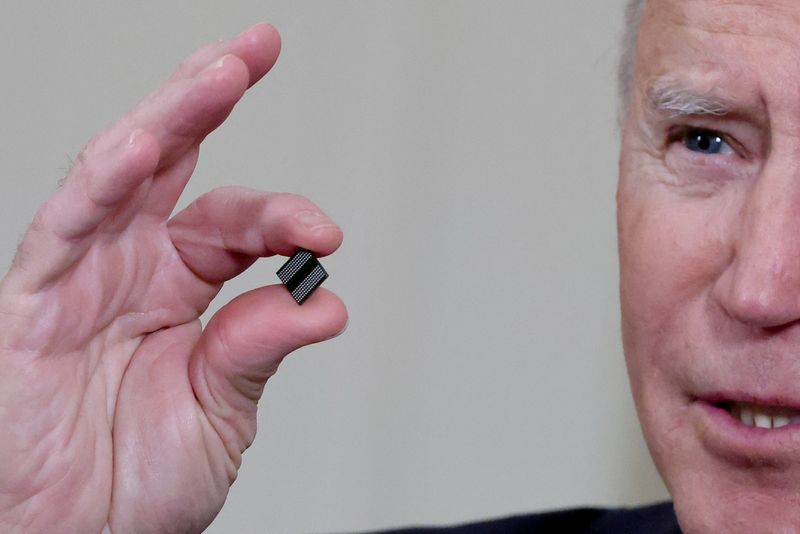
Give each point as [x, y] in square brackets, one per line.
[761, 415]
[745, 431]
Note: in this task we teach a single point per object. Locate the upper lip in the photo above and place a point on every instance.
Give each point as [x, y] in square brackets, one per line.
[777, 400]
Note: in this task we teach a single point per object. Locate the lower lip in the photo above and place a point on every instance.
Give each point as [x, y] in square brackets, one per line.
[728, 437]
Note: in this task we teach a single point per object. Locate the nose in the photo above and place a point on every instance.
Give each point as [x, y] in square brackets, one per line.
[761, 285]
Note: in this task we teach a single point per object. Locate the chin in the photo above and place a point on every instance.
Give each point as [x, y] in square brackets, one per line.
[708, 505]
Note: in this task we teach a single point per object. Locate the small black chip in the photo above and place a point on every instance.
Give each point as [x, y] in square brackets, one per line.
[301, 275]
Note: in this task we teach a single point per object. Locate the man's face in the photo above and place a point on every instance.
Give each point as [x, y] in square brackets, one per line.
[709, 233]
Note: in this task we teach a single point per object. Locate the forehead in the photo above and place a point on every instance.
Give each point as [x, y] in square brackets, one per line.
[740, 50]
[709, 32]
[753, 18]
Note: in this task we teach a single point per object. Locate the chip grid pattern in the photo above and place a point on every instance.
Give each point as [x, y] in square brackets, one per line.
[302, 274]
[293, 265]
[302, 291]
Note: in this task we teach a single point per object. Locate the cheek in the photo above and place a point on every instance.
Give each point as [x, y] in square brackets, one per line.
[672, 250]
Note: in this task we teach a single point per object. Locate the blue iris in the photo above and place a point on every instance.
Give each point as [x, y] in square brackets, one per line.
[706, 142]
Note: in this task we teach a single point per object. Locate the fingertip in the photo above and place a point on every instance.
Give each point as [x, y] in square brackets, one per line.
[322, 316]
[322, 240]
[265, 36]
[308, 227]
[330, 239]
[268, 317]
[259, 47]
[267, 33]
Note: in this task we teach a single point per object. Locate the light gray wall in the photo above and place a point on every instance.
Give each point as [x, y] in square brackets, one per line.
[469, 151]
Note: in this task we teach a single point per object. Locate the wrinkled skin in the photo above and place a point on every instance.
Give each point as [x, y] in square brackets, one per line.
[120, 413]
[710, 259]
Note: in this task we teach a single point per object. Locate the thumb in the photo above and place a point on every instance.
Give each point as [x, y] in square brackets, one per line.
[242, 347]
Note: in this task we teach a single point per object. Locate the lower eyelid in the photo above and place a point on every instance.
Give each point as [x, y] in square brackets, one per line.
[693, 157]
[695, 167]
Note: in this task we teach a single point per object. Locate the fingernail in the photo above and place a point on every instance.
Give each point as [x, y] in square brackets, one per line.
[314, 219]
[136, 133]
[220, 62]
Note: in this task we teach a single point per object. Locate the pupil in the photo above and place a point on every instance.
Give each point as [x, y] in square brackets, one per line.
[703, 142]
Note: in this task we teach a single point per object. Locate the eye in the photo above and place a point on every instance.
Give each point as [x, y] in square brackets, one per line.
[706, 142]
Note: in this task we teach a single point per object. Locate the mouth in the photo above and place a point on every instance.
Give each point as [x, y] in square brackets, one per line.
[760, 415]
[748, 430]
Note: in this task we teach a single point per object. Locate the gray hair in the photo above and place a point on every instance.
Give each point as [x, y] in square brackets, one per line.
[633, 18]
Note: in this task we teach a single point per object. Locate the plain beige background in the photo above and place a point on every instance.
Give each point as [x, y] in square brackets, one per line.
[468, 149]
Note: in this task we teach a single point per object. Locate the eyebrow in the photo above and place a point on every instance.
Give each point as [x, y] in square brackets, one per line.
[670, 98]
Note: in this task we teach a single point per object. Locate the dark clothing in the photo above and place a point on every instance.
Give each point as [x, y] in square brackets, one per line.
[654, 519]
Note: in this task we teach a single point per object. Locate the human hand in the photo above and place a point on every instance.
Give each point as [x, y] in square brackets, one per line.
[119, 412]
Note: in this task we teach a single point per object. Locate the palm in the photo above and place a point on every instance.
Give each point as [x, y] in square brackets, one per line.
[124, 411]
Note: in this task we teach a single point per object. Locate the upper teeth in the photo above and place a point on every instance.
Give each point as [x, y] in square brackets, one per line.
[764, 416]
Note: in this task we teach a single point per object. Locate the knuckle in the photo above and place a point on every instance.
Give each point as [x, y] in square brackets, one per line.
[89, 151]
[85, 161]
[38, 224]
[85, 173]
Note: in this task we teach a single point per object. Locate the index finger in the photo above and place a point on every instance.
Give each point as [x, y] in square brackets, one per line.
[257, 47]
[169, 124]
[248, 46]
